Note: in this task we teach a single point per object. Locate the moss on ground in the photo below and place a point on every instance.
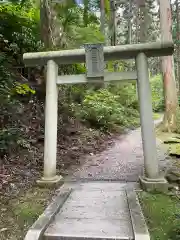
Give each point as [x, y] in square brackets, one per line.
[162, 215]
[162, 212]
[18, 214]
[30, 206]
[170, 141]
[174, 149]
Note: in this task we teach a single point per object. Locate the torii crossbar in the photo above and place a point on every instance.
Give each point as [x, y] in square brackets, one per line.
[95, 73]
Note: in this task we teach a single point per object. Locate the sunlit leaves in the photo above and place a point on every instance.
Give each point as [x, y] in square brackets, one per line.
[19, 25]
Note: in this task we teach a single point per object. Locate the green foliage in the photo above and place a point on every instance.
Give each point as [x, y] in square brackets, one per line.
[175, 233]
[19, 33]
[111, 64]
[6, 83]
[19, 29]
[78, 25]
[9, 119]
[23, 89]
[107, 109]
[157, 93]
[89, 34]
[127, 94]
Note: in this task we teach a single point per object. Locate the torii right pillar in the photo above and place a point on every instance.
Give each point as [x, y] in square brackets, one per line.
[151, 181]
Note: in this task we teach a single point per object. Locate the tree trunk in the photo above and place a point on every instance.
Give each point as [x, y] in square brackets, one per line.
[137, 24]
[170, 92]
[45, 23]
[143, 20]
[49, 28]
[85, 13]
[130, 24]
[178, 43]
[113, 23]
[102, 17]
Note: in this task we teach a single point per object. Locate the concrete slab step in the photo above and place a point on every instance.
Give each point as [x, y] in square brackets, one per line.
[92, 210]
[93, 213]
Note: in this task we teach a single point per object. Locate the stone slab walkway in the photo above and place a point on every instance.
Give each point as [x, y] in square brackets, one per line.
[93, 211]
[123, 161]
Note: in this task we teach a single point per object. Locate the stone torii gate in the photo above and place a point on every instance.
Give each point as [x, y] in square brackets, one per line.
[94, 56]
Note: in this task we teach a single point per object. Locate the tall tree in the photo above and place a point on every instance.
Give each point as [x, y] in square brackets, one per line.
[85, 12]
[102, 16]
[112, 25]
[130, 23]
[170, 91]
[46, 23]
[178, 42]
[143, 20]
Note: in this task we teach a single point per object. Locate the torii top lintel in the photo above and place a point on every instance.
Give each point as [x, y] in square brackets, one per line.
[154, 49]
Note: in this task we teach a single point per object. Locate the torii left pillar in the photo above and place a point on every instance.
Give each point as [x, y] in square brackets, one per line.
[51, 116]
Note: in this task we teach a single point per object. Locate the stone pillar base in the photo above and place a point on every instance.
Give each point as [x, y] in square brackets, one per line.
[48, 182]
[154, 185]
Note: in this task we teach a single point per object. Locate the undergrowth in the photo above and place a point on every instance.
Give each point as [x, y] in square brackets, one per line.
[157, 93]
[162, 215]
[110, 109]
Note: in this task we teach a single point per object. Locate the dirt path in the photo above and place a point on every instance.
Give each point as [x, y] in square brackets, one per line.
[122, 161]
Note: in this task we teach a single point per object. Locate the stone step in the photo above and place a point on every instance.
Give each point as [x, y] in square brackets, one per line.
[91, 213]
[93, 210]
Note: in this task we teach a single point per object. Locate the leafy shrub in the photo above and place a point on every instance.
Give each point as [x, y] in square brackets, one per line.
[22, 23]
[127, 94]
[23, 89]
[103, 109]
[174, 234]
[8, 139]
[157, 93]
[9, 107]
